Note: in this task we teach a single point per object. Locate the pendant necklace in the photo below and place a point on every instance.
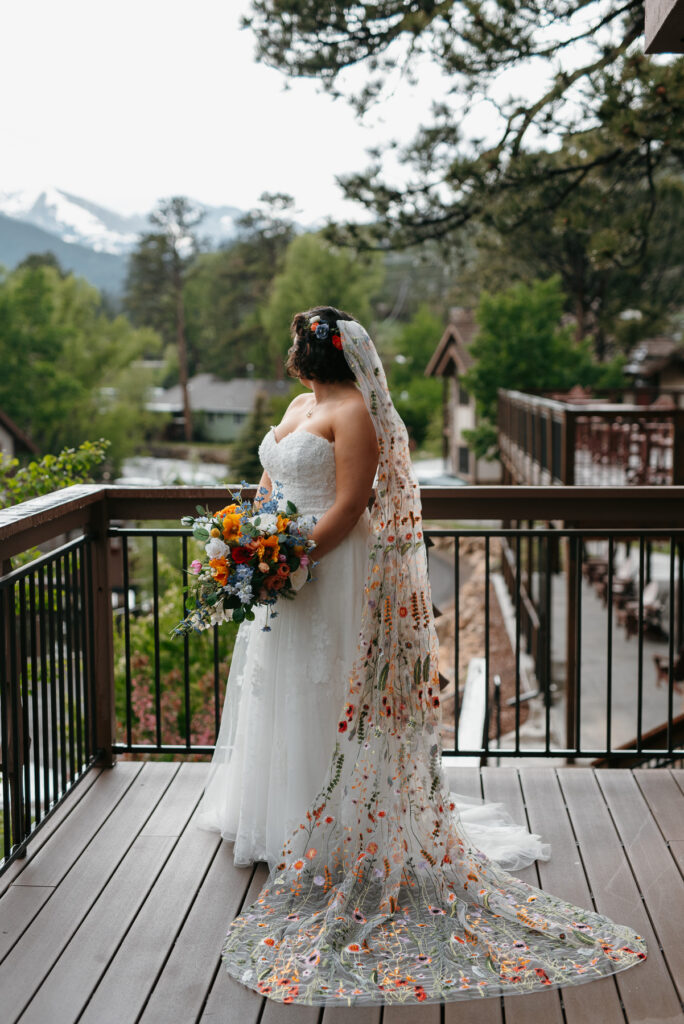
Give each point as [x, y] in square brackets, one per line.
[311, 409]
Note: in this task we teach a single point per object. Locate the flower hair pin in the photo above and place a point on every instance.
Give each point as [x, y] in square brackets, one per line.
[322, 331]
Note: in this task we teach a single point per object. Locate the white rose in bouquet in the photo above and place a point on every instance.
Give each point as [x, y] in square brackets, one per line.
[216, 548]
[267, 522]
[298, 577]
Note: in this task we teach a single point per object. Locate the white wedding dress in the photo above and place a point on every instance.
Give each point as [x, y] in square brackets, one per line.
[287, 687]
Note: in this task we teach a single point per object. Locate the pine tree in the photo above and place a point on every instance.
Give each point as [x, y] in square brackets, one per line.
[244, 462]
[589, 73]
[157, 273]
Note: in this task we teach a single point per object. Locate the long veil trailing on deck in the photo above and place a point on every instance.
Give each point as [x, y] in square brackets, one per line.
[379, 895]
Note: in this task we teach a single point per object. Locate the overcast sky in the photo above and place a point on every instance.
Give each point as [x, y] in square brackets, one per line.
[123, 103]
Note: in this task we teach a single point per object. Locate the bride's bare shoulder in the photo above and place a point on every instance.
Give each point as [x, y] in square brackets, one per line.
[352, 418]
[300, 399]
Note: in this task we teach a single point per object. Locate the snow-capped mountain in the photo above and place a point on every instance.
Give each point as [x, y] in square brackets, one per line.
[81, 222]
[72, 219]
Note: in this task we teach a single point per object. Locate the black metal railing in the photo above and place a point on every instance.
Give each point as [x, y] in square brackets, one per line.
[543, 599]
[146, 556]
[46, 698]
[545, 573]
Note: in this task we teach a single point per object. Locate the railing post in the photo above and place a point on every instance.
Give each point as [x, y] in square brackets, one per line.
[102, 637]
[13, 739]
[571, 569]
[568, 449]
[678, 446]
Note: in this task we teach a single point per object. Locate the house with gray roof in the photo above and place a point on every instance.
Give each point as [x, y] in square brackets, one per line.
[219, 407]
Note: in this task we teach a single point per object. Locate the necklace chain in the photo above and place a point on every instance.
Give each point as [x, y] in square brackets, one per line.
[312, 408]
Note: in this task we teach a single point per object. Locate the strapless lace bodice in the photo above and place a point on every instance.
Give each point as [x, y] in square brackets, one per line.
[303, 464]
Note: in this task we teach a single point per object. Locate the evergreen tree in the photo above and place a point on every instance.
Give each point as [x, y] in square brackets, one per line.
[41, 259]
[590, 73]
[520, 344]
[614, 243]
[157, 273]
[226, 290]
[316, 273]
[244, 460]
[67, 368]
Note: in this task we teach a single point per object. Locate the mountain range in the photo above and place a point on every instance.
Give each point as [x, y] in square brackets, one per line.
[91, 240]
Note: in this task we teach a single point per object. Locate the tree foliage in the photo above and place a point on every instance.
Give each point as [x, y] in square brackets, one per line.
[521, 345]
[49, 473]
[316, 273]
[156, 278]
[586, 72]
[244, 460]
[68, 368]
[591, 243]
[226, 290]
[418, 399]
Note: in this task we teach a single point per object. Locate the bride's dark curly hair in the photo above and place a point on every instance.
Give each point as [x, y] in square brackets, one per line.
[317, 358]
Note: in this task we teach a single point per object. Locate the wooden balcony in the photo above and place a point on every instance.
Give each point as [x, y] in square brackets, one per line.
[611, 441]
[119, 912]
[113, 906]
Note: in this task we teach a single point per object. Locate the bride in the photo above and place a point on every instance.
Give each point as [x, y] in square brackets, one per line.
[383, 885]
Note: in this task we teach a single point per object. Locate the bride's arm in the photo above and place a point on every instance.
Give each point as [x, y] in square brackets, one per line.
[356, 460]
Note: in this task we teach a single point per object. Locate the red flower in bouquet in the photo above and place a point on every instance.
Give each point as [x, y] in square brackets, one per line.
[240, 555]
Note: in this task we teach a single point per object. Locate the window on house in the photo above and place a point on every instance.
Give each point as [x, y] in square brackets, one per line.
[463, 396]
[463, 459]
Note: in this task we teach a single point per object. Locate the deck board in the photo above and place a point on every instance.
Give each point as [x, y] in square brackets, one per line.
[564, 876]
[50, 826]
[180, 991]
[32, 957]
[123, 990]
[74, 976]
[119, 910]
[245, 1004]
[540, 1007]
[664, 797]
[647, 992]
[656, 874]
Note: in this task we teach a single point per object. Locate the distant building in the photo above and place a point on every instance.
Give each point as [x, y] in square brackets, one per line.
[657, 362]
[664, 27]
[451, 360]
[13, 440]
[220, 407]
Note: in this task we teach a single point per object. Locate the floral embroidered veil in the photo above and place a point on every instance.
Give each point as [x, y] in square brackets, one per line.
[378, 896]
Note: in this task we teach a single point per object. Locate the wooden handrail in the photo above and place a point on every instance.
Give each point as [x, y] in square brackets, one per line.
[640, 507]
[41, 519]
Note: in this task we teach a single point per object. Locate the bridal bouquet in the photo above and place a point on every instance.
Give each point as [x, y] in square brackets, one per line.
[251, 558]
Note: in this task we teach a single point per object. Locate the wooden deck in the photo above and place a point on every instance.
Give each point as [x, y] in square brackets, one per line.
[119, 911]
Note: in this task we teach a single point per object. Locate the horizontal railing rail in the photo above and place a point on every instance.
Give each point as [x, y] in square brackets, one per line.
[89, 671]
